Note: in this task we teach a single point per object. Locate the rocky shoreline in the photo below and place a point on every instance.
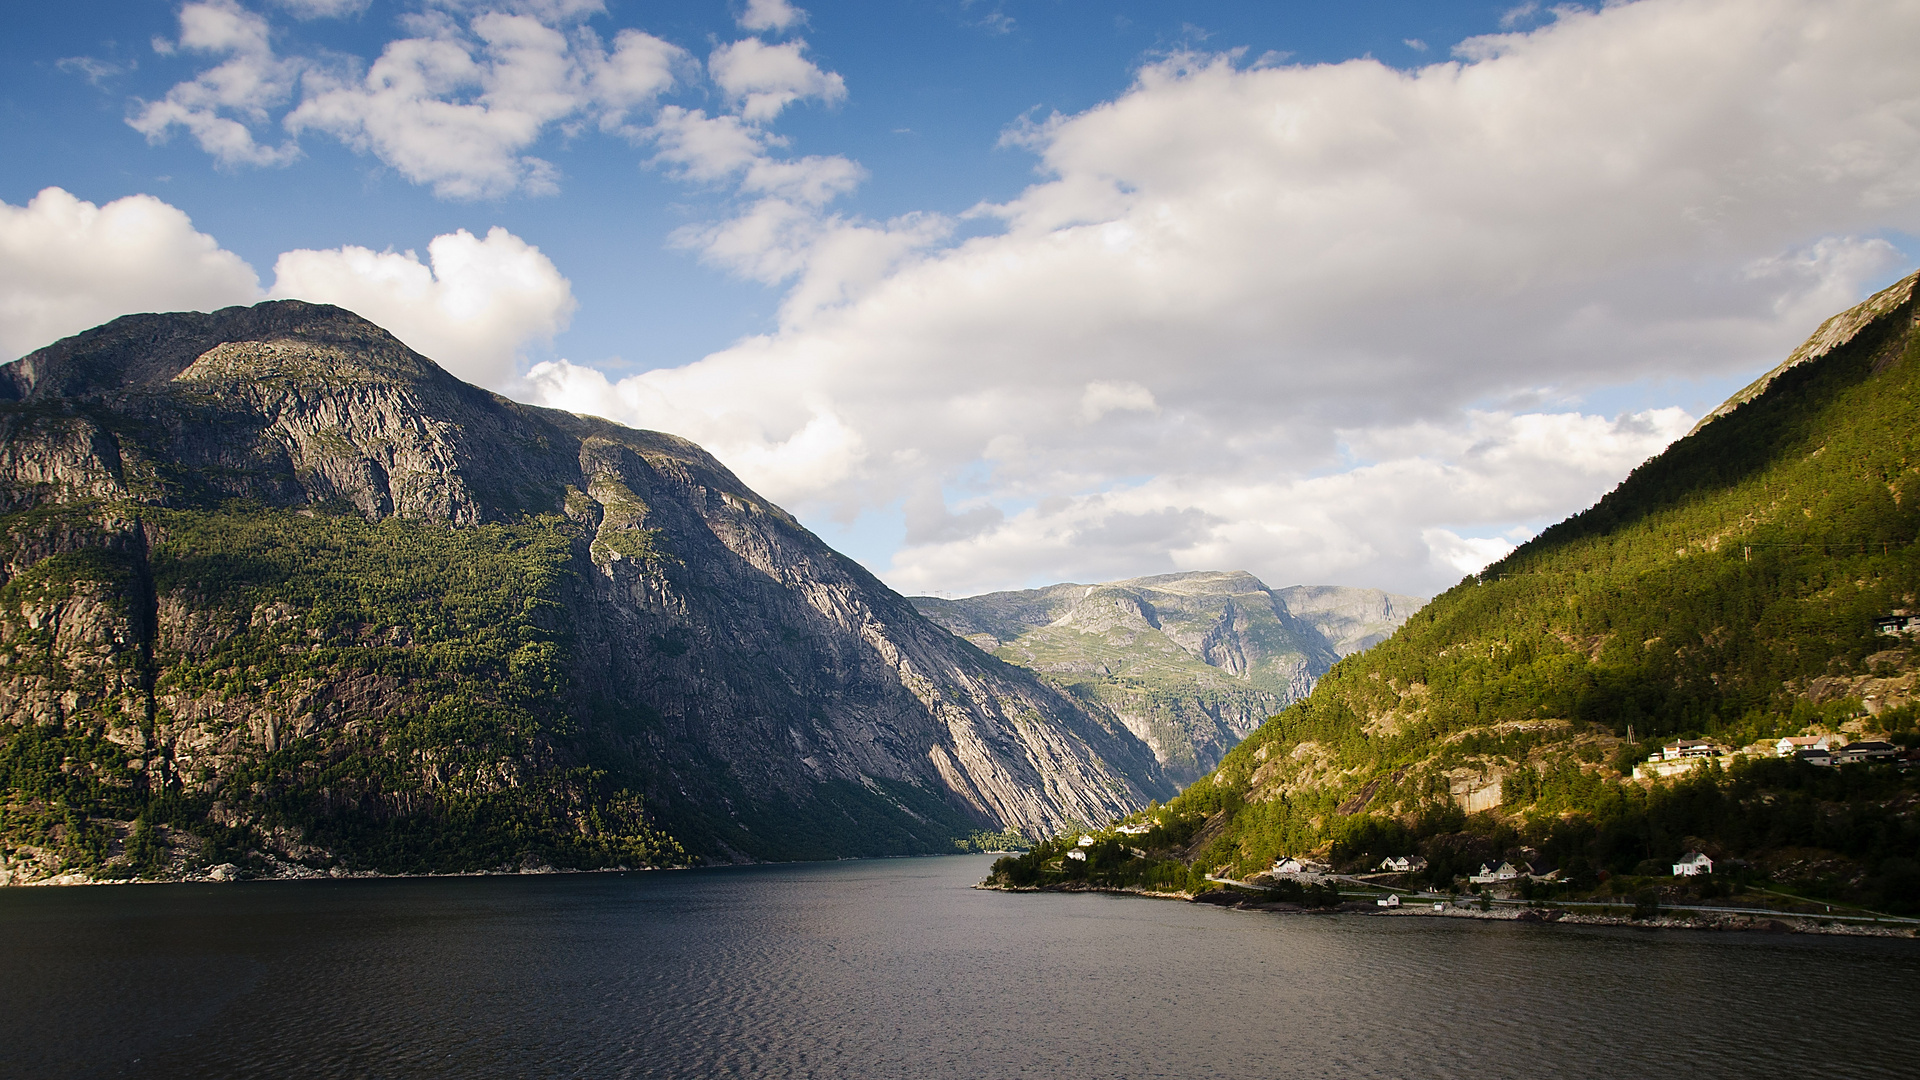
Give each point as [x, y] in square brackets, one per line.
[1692, 919]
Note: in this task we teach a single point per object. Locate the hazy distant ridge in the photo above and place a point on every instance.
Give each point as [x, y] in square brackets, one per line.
[1189, 662]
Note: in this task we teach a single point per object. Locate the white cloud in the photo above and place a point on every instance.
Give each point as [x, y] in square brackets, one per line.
[94, 70]
[220, 107]
[776, 15]
[1102, 398]
[67, 265]
[323, 9]
[472, 307]
[1396, 521]
[457, 106]
[762, 79]
[1314, 274]
[457, 110]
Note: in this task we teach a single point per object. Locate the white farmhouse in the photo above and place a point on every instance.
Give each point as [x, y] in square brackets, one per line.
[1793, 744]
[1403, 864]
[1693, 862]
[1077, 855]
[1491, 874]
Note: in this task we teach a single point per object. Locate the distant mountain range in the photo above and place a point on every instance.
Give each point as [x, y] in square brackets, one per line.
[1189, 662]
[279, 592]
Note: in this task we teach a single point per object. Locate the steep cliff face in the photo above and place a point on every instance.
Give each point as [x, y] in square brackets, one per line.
[1189, 662]
[279, 588]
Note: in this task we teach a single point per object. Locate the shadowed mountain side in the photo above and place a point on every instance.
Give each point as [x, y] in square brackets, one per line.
[304, 597]
[1189, 662]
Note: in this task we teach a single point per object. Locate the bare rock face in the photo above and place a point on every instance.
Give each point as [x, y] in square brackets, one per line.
[276, 581]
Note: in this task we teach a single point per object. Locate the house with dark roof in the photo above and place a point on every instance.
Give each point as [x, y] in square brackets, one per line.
[1853, 753]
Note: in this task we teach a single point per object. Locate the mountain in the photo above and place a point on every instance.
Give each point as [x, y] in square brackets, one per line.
[1189, 662]
[279, 591]
[1731, 590]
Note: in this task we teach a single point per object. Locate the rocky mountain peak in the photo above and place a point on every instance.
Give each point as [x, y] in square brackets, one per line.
[146, 351]
[583, 614]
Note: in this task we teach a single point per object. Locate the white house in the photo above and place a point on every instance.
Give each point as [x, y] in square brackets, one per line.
[1085, 841]
[1491, 874]
[1136, 830]
[1294, 865]
[1793, 744]
[1689, 748]
[1392, 900]
[1693, 862]
[1077, 855]
[1403, 864]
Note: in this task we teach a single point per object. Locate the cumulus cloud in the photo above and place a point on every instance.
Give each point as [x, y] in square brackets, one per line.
[458, 109]
[323, 9]
[220, 106]
[762, 79]
[775, 15]
[1281, 291]
[473, 306]
[457, 106]
[67, 264]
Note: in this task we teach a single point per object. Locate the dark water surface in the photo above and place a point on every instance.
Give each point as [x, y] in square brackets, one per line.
[897, 969]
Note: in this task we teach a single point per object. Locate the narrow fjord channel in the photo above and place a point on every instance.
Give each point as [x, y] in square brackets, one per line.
[897, 968]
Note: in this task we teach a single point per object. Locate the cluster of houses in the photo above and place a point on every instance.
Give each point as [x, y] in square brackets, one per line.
[1834, 750]
[1679, 757]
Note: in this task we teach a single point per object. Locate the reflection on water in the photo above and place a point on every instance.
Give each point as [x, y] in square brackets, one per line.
[897, 969]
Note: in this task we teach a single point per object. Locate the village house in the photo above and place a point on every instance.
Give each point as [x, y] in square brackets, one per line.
[1136, 830]
[1683, 756]
[1077, 855]
[1693, 862]
[1689, 748]
[1300, 866]
[1403, 864]
[1853, 753]
[1896, 624]
[1392, 900]
[1815, 755]
[1793, 744]
[1492, 874]
[1085, 841]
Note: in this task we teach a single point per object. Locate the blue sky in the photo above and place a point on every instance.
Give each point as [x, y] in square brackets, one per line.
[933, 84]
[999, 294]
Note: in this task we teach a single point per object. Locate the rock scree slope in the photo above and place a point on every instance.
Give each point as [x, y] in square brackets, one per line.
[282, 593]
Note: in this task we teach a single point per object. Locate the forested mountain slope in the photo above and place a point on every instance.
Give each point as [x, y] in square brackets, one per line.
[279, 591]
[1728, 590]
[1189, 662]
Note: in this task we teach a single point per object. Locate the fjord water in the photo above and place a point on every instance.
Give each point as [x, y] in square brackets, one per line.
[896, 968]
